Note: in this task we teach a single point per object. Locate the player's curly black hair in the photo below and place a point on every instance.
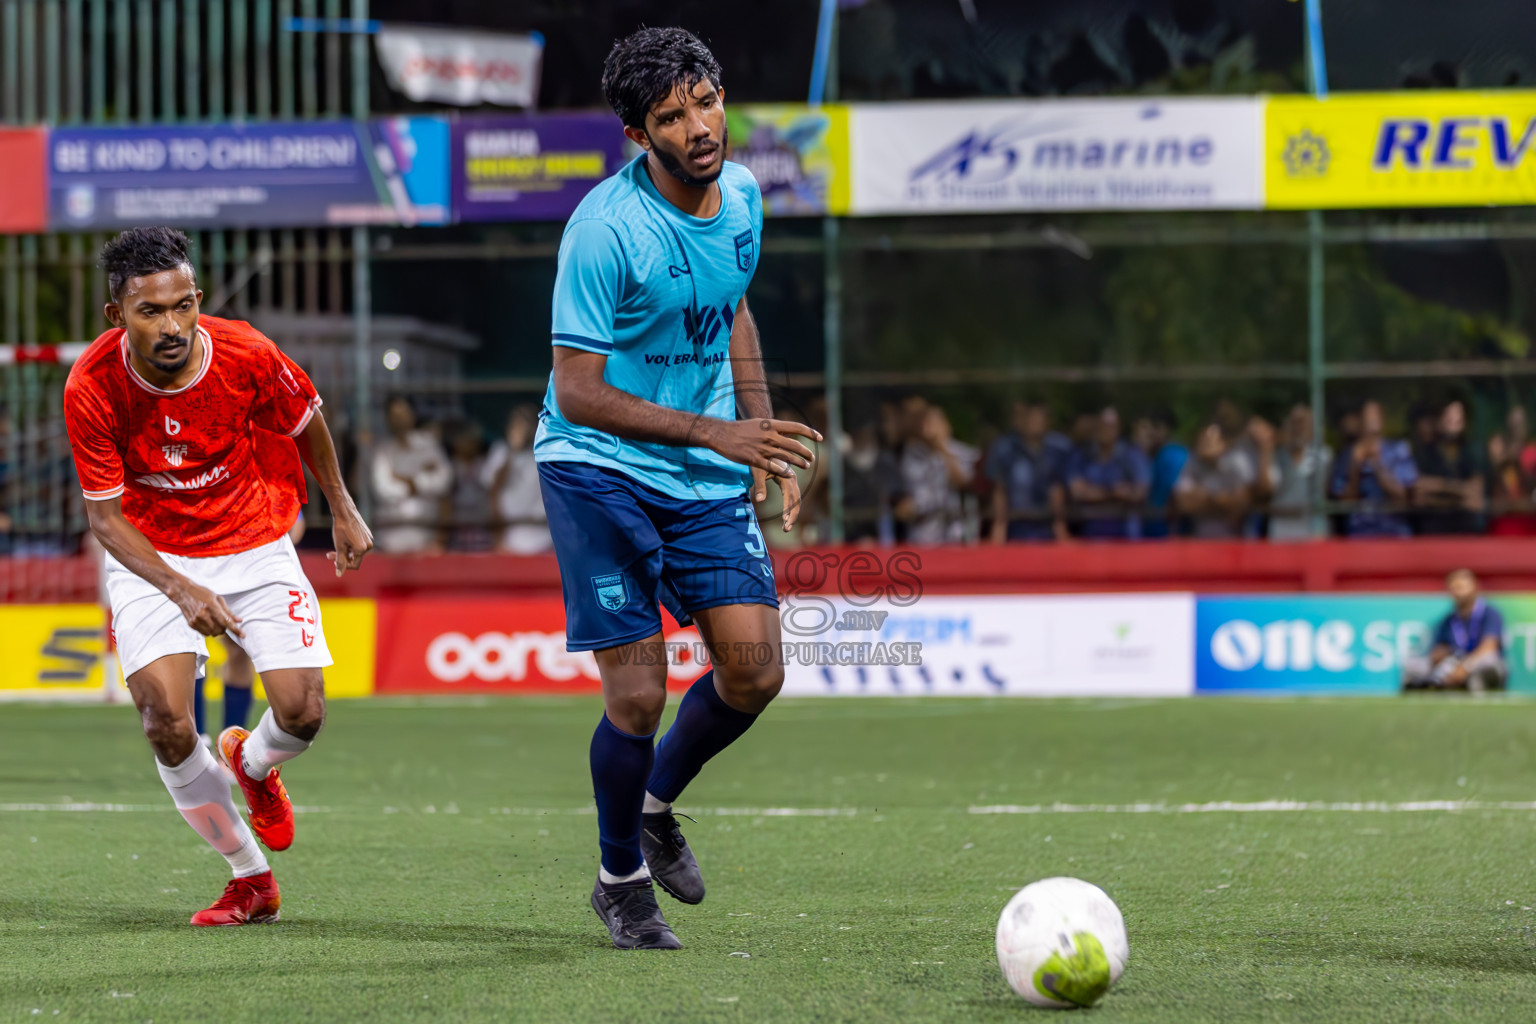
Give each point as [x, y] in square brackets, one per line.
[650, 63]
[140, 251]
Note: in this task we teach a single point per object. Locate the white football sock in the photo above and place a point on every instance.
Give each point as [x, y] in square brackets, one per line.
[607, 878]
[201, 794]
[654, 806]
[268, 746]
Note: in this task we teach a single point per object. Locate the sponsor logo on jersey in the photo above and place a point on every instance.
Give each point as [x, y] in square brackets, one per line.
[703, 326]
[174, 453]
[167, 482]
[172, 427]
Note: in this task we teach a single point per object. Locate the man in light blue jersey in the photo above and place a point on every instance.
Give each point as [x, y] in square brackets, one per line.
[647, 473]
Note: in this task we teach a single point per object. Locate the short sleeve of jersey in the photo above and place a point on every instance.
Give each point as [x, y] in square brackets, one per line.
[99, 462]
[754, 197]
[588, 284]
[290, 398]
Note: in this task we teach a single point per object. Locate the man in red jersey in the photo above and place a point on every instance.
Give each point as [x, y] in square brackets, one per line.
[165, 414]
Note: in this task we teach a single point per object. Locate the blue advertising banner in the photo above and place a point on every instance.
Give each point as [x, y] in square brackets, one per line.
[1299, 643]
[290, 174]
[531, 168]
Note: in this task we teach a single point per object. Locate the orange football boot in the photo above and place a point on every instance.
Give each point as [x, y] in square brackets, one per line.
[253, 900]
[267, 799]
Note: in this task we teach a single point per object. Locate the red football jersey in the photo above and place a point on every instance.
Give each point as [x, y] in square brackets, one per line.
[199, 469]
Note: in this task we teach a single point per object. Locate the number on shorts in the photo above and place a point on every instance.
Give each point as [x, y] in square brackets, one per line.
[300, 604]
[757, 547]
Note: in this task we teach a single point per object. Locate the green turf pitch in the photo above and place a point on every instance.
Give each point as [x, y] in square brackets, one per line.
[445, 873]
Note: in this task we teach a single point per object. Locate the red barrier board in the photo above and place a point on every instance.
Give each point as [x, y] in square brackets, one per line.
[23, 181]
[477, 642]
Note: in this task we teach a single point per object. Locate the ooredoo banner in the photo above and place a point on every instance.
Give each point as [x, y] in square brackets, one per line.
[485, 643]
[531, 168]
[1110, 154]
[390, 171]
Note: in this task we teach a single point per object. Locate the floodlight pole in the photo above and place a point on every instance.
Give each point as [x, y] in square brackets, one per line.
[824, 87]
[362, 290]
[1317, 81]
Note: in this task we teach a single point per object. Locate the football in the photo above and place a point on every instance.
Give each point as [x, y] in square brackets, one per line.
[1061, 943]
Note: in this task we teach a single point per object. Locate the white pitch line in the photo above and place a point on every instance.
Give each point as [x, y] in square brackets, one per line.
[117, 808]
[1259, 807]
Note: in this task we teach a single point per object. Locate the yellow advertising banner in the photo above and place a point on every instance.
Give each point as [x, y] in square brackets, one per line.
[52, 648]
[797, 153]
[56, 649]
[1400, 149]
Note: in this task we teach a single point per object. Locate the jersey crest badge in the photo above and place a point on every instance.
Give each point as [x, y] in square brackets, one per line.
[745, 250]
[174, 453]
[611, 593]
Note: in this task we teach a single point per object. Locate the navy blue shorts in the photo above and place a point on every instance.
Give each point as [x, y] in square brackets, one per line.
[624, 548]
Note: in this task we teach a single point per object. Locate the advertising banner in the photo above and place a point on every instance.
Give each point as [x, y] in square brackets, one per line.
[1401, 149]
[464, 68]
[797, 153]
[485, 643]
[23, 181]
[531, 168]
[391, 171]
[1300, 643]
[1102, 154]
[52, 649]
[1134, 645]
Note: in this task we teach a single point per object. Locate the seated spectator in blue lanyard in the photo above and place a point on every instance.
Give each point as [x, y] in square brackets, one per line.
[1372, 472]
[1469, 645]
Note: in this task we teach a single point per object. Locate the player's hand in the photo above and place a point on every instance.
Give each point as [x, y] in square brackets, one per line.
[764, 444]
[206, 611]
[353, 540]
[789, 487]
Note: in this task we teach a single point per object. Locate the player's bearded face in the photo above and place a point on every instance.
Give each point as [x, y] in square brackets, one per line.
[160, 313]
[692, 146]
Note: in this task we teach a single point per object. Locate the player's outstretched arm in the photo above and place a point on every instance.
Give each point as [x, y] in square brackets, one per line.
[205, 611]
[349, 533]
[588, 400]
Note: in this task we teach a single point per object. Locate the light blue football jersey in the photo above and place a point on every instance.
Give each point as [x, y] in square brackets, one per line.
[655, 290]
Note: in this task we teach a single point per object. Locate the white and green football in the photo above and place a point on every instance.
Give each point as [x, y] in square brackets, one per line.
[1061, 943]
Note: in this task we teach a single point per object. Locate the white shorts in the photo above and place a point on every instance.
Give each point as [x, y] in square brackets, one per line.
[265, 587]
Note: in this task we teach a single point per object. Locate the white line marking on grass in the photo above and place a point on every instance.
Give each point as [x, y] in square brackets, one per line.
[726, 812]
[1258, 807]
[116, 808]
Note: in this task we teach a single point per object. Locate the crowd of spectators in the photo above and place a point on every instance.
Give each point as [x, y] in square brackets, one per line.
[1237, 476]
[438, 487]
[907, 479]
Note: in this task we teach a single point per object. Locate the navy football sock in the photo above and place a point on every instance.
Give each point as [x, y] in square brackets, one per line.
[705, 725]
[197, 705]
[237, 705]
[620, 765]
